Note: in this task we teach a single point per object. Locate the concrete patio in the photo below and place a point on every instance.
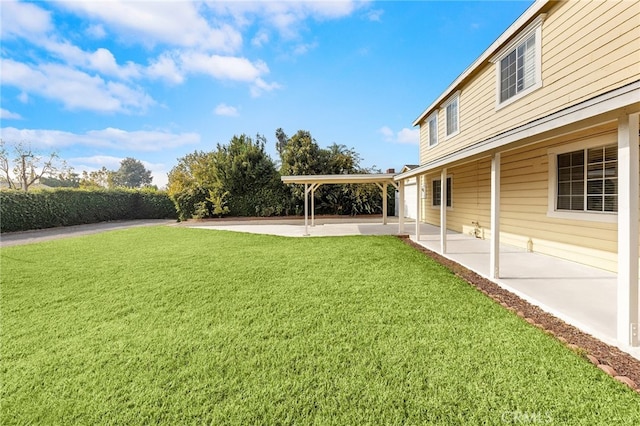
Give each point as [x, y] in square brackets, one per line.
[580, 295]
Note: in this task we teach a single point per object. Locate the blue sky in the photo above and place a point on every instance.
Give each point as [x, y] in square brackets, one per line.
[98, 81]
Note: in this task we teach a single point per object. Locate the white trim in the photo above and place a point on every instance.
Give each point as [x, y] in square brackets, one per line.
[528, 14]
[589, 216]
[628, 304]
[444, 176]
[494, 249]
[534, 28]
[453, 98]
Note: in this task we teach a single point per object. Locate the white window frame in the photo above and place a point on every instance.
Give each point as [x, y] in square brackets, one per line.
[591, 216]
[451, 100]
[433, 206]
[534, 27]
[432, 117]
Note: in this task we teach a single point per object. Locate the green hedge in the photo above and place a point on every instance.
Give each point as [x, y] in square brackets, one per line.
[21, 211]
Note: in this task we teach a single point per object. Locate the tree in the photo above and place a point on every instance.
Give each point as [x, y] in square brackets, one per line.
[96, 179]
[131, 174]
[281, 141]
[65, 179]
[248, 177]
[27, 166]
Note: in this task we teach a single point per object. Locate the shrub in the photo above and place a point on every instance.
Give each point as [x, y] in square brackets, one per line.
[21, 211]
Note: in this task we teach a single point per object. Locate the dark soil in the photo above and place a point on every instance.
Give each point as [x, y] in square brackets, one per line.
[583, 343]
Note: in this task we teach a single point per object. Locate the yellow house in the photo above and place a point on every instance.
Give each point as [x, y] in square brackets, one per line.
[537, 144]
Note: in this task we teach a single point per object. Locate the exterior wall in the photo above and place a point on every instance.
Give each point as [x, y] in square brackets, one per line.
[524, 204]
[599, 54]
[471, 193]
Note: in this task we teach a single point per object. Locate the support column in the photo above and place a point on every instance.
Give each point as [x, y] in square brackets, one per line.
[494, 256]
[628, 180]
[443, 211]
[314, 186]
[384, 203]
[418, 205]
[401, 206]
[306, 209]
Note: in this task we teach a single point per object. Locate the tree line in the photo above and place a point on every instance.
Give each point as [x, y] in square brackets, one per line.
[237, 179]
[21, 168]
[241, 179]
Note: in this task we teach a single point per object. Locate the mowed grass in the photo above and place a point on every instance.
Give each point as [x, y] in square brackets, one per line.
[189, 326]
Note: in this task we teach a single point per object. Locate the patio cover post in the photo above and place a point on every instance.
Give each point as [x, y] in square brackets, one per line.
[418, 207]
[401, 206]
[314, 186]
[384, 203]
[494, 257]
[443, 211]
[306, 209]
[628, 179]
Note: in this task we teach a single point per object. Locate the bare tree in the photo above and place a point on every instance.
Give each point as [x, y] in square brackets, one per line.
[27, 165]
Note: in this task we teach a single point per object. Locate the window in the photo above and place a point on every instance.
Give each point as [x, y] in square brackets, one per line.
[519, 63]
[588, 180]
[452, 116]
[433, 130]
[436, 192]
[518, 69]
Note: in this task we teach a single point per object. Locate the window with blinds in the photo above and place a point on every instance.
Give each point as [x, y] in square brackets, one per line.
[588, 180]
[518, 69]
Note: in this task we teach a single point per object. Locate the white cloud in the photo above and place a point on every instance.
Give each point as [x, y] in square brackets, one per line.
[23, 97]
[410, 136]
[223, 67]
[23, 20]
[226, 110]
[8, 115]
[260, 39]
[176, 23]
[75, 89]
[301, 49]
[96, 31]
[404, 136]
[375, 15]
[165, 68]
[109, 138]
[260, 86]
[387, 133]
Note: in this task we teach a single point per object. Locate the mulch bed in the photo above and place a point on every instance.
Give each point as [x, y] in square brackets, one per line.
[608, 358]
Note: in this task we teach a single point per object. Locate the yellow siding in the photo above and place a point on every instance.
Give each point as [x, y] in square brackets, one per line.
[588, 48]
[524, 198]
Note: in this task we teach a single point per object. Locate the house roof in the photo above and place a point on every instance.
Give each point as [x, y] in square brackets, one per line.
[511, 32]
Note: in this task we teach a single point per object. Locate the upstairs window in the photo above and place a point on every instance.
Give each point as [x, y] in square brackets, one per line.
[518, 69]
[433, 130]
[588, 180]
[519, 64]
[452, 116]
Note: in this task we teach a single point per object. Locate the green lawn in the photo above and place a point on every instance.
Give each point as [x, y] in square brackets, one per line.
[178, 325]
